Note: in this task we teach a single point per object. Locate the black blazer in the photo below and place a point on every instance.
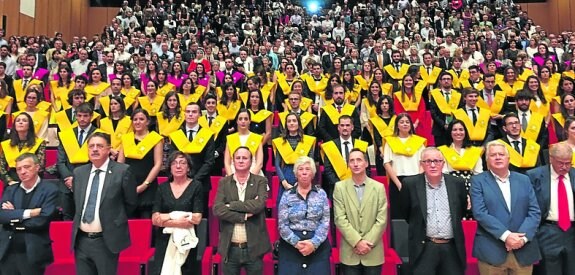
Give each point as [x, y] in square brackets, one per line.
[65, 168]
[329, 172]
[327, 131]
[438, 117]
[445, 65]
[414, 202]
[118, 200]
[36, 229]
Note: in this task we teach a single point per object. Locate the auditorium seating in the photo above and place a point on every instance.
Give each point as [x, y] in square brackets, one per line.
[469, 229]
[214, 225]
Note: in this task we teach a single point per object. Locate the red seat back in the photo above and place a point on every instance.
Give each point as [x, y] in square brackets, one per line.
[141, 237]
[162, 180]
[51, 157]
[272, 226]
[61, 236]
[469, 230]
[214, 180]
[275, 189]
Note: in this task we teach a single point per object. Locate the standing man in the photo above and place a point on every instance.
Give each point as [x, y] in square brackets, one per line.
[327, 126]
[27, 209]
[360, 214]
[240, 204]
[444, 101]
[524, 153]
[105, 196]
[507, 212]
[554, 185]
[434, 207]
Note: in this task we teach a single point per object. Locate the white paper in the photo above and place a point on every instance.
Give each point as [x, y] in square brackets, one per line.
[28, 7]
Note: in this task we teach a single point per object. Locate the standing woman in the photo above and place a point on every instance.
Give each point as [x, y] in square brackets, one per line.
[164, 87]
[566, 109]
[142, 150]
[365, 77]
[21, 139]
[37, 109]
[261, 120]
[303, 222]
[382, 125]
[96, 88]
[180, 194]
[128, 88]
[60, 88]
[171, 115]
[401, 156]
[117, 124]
[408, 100]
[151, 102]
[177, 75]
[369, 106]
[244, 137]
[151, 74]
[229, 106]
[187, 93]
[284, 82]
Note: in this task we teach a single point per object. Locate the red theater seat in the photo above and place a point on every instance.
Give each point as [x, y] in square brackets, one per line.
[469, 229]
[270, 167]
[214, 226]
[162, 180]
[61, 236]
[135, 258]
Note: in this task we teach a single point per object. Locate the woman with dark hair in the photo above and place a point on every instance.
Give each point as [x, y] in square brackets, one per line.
[164, 87]
[142, 150]
[401, 156]
[60, 88]
[541, 55]
[22, 139]
[177, 75]
[509, 84]
[151, 102]
[38, 109]
[244, 137]
[365, 77]
[96, 87]
[178, 204]
[369, 105]
[116, 124]
[336, 67]
[284, 82]
[171, 115]
[119, 70]
[261, 120]
[566, 110]
[128, 88]
[489, 57]
[151, 74]
[569, 68]
[229, 105]
[382, 126]
[540, 103]
[409, 99]
[549, 82]
[187, 93]
[513, 50]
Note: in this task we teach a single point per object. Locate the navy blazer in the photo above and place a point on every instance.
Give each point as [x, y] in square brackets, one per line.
[541, 180]
[494, 218]
[37, 229]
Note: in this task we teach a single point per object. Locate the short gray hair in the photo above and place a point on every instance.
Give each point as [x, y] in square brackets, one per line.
[495, 143]
[28, 155]
[304, 160]
[430, 149]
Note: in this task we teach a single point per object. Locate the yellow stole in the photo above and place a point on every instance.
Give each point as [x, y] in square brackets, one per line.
[382, 128]
[304, 117]
[164, 90]
[496, 105]
[61, 94]
[526, 73]
[559, 118]
[304, 104]
[260, 116]
[229, 112]
[533, 127]
[42, 105]
[96, 90]
[457, 79]
[465, 162]
[38, 118]
[105, 103]
[371, 110]
[429, 78]
[543, 108]
[570, 74]
[467, 84]
[317, 87]
[167, 126]
[185, 100]
[363, 83]
[253, 142]
[191, 147]
[124, 127]
[390, 70]
[550, 90]
[476, 132]
[329, 150]
[529, 158]
[151, 107]
[386, 88]
[5, 102]
[21, 92]
[65, 123]
[11, 153]
[446, 107]
[409, 148]
[139, 151]
[75, 153]
[510, 91]
[290, 155]
[283, 83]
[133, 93]
[334, 115]
[217, 124]
[408, 104]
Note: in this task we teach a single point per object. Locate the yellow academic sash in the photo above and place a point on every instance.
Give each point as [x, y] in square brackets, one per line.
[382, 128]
[570, 74]
[465, 162]
[363, 83]
[329, 150]
[164, 90]
[153, 108]
[139, 151]
[61, 94]
[386, 89]
[124, 126]
[371, 110]
[409, 148]
[75, 153]
[42, 105]
[133, 93]
[167, 126]
[304, 117]
[64, 123]
[231, 112]
[543, 108]
[476, 132]
[194, 147]
[390, 70]
[496, 105]
[283, 83]
[266, 91]
[526, 73]
[559, 118]
[11, 153]
[21, 92]
[290, 155]
[253, 142]
[260, 116]
[96, 90]
[317, 87]
[217, 124]
[105, 103]
[304, 104]
[334, 115]
[533, 127]
[549, 90]
[529, 158]
[457, 79]
[185, 100]
[510, 91]
[5, 102]
[467, 84]
[445, 107]
[429, 79]
[408, 104]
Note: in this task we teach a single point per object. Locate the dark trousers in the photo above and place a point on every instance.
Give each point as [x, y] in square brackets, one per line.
[16, 263]
[239, 258]
[361, 269]
[438, 259]
[94, 258]
[557, 249]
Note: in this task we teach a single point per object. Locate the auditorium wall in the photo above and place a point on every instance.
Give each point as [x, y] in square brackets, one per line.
[77, 18]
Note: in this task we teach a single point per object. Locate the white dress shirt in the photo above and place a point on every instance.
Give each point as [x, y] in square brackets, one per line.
[95, 226]
[553, 206]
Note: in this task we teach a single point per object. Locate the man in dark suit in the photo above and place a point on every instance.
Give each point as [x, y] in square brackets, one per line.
[239, 205]
[445, 61]
[197, 141]
[532, 123]
[105, 196]
[73, 152]
[327, 58]
[554, 185]
[327, 125]
[443, 102]
[507, 212]
[107, 68]
[524, 153]
[434, 205]
[27, 209]
[217, 124]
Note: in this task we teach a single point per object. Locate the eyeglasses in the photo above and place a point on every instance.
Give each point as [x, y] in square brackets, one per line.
[432, 161]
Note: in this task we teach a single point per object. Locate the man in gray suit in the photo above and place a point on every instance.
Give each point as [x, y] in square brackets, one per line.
[104, 195]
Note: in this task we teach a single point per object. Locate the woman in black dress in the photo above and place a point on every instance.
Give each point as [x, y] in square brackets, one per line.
[180, 194]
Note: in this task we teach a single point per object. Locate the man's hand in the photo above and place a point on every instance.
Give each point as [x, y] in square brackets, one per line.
[362, 247]
[68, 182]
[35, 212]
[514, 241]
[7, 206]
[305, 247]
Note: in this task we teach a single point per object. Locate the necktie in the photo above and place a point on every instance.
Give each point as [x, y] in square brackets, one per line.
[524, 122]
[339, 109]
[397, 67]
[473, 115]
[191, 135]
[210, 119]
[428, 70]
[564, 221]
[516, 146]
[81, 137]
[346, 150]
[90, 210]
[24, 83]
[73, 116]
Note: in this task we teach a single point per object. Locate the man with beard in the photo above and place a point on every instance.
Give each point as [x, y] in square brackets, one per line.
[326, 128]
[523, 153]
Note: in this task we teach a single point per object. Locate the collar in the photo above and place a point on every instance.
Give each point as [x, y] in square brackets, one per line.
[555, 176]
[441, 182]
[350, 140]
[27, 191]
[505, 179]
[520, 113]
[195, 128]
[86, 130]
[293, 190]
[238, 182]
[512, 139]
[104, 166]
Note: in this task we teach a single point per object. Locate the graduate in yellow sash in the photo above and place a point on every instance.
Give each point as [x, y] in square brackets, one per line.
[315, 85]
[188, 93]
[229, 106]
[66, 118]
[96, 87]
[40, 117]
[60, 88]
[410, 99]
[443, 103]
[128, 88]
[509, 84]
[6, 102]
[329, 117]
[401, 156]
[533, 124]
[20, 86]
[284, 84]
[524, 154]
[244, 137]
[308, 120]
[291, 145]
[164, 87]
[22, 139]
[557, 124]
[369, 104]
[261, 120]
[381, 127]
[115, 91]
[142, 150]
[218, 125]
[171, 116]
[540, 102]
[151, 102]
[365, 76]
[305, 103]
[396, 70]
[475, 119]
[116, 124]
